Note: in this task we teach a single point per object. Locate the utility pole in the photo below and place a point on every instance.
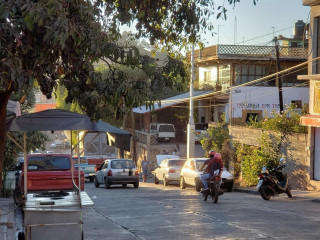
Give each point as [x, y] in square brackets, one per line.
[191, 126]
[278, 81]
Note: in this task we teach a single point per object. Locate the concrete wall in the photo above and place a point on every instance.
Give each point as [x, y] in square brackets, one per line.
[294, 150]
[264, 99]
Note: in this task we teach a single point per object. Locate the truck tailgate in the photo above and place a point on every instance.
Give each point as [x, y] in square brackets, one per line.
[52, 180]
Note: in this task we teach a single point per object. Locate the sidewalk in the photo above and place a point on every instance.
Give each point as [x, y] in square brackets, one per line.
[7, 226]
[312, 196]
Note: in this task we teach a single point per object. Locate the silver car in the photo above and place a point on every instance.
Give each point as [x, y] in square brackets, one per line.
[117, 171]
[190, 175]
[168, 171]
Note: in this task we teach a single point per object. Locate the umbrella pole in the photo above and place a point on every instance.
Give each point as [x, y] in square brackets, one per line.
[79, 164]
[25, 164]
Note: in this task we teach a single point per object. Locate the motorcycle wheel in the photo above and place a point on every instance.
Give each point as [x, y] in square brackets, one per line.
[288, 192]
[265, 194]
[216, 193]
[198, 184]
[205, 196]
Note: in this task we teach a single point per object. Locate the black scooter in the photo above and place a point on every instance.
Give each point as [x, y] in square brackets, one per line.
[273, 182]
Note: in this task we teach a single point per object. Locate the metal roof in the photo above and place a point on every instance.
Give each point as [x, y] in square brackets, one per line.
[170, 101]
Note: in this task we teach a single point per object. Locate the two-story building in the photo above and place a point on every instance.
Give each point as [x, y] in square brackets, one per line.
[313, 119]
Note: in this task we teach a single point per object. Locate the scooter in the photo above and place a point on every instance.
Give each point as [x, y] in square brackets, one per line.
[273, 182]
[214, 187]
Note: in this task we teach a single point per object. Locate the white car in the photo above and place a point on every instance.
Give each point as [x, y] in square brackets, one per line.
[117, 171]
[169, 170]
[190, 175]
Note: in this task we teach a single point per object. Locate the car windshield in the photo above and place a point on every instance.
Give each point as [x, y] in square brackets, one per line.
[176, 163]
[120, 164]
[82, 160]
[49, 163]
[199, 163]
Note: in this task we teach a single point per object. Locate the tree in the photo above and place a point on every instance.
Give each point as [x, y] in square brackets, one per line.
[57, 41]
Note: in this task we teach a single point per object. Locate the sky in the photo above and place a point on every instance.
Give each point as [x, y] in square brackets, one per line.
[266, 17]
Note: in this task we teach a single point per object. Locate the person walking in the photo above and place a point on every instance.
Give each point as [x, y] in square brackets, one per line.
[144, 166]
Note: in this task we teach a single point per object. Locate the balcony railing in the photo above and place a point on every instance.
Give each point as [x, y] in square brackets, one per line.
[221, 51]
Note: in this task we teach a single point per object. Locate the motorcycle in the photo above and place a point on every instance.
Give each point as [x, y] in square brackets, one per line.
[273, 182]
[214, 187]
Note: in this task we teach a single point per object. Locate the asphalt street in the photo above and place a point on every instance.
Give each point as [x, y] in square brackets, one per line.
[159, 212]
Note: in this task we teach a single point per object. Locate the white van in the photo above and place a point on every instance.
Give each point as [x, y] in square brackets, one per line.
[165, 131]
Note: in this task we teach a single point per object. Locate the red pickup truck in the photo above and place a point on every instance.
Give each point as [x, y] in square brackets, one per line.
[49, 172]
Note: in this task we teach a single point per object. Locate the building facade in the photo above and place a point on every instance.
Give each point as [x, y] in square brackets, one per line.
[313, 119]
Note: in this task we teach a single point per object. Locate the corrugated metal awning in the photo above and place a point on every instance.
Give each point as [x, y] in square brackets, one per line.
[171, 101]
[310, 120]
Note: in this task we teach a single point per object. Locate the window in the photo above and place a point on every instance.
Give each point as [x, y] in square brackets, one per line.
[248, 73]
[252, 117]
[298, 103]
[224, 74]
[207, 76]
[199, 163]
[176, 163]
[105, 165]
[120, 164]
[49, 163]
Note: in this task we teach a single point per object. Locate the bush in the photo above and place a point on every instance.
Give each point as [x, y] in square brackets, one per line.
[252, 159]
[287, 122]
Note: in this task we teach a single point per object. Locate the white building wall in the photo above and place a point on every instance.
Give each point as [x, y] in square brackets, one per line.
[264, 98]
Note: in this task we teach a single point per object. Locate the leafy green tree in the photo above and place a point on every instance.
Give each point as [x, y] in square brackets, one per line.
[55, 42]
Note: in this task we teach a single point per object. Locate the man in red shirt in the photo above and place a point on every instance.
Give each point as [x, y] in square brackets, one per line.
[212, 164]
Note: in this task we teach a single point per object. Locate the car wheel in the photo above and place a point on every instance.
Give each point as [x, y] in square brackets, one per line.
[96, 183]
[107, 184]
[198, 184]
[156, 180]
[182, 183]
[91, 179]
[165, 181]
[124, 185]
[136, 184]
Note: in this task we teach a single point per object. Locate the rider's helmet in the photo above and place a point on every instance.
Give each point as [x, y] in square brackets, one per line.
[217, 157]
[212, 153]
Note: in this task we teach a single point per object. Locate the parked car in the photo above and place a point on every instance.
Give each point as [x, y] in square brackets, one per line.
[117, 171]
[190, 175]
[165, 131]
[168, 171]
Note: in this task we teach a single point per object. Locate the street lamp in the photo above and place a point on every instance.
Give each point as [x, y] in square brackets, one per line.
[219, 31]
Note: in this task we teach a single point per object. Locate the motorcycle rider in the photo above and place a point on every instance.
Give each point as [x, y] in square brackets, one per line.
[214, 163]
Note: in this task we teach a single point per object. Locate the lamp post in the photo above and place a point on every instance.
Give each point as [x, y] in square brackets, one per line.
[219, 32]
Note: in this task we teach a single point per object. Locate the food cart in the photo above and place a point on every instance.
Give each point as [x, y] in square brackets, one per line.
[58, 215]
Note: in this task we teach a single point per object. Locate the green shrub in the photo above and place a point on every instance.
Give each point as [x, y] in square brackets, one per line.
[252, 159]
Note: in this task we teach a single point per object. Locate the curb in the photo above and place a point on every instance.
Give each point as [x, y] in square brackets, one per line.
[255, 192]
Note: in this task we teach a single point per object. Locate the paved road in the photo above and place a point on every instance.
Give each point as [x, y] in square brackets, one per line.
[158, 212]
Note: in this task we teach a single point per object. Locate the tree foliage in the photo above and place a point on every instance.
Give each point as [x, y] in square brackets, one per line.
[58, 41]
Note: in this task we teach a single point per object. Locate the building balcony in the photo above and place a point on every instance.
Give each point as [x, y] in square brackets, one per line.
[248, 52]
